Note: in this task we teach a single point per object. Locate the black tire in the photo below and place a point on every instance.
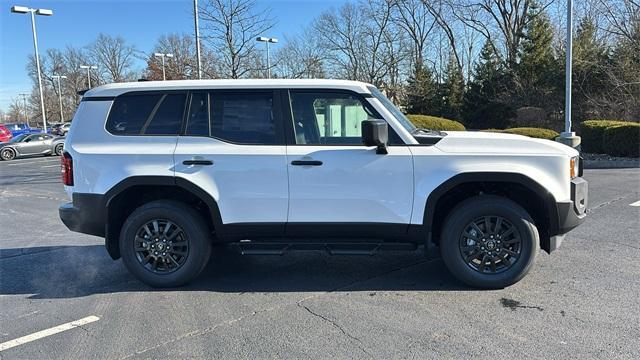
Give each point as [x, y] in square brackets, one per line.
[457, 246]
[7, 154]
[196, 235]
[58, 149]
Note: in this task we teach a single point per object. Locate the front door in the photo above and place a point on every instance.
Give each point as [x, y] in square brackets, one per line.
[233, 148]
[338, 186]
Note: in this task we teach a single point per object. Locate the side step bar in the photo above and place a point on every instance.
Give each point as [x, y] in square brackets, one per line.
[269, 248]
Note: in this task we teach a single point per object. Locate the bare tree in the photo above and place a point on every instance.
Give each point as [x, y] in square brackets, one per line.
[414, 18]
[114, 58]
[300, 57]
[231, 28]
[183, 63]
[361, 41]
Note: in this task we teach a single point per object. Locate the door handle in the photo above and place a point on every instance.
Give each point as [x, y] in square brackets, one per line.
[306, 163]
[197, 162]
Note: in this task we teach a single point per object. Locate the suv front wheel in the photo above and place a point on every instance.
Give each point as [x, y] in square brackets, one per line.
[489, 242]
[165, 243]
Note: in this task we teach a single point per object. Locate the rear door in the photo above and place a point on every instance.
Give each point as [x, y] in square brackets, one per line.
[338, 186]
[233, 148]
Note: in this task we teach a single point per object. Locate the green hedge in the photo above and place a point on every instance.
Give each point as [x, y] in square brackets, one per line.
[538, 133]
[592, 133]
[622, 140]
[435, 123]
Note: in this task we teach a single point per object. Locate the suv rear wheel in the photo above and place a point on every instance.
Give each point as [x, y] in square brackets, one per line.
[489, 242]
[165, 243]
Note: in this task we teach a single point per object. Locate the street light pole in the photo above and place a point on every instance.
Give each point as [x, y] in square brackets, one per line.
[569, 71]
[195, 17]
[33, 12]
[26, 114]
[163, 55]
[267, 41]
[88, 67]
[60, 94]
[568, 137]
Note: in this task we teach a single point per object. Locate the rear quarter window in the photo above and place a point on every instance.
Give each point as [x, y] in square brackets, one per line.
[146, 114]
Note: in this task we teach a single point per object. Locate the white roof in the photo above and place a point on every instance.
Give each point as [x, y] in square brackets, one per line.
[116, 89]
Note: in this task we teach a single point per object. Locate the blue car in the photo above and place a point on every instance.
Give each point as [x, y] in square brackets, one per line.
[21, 128]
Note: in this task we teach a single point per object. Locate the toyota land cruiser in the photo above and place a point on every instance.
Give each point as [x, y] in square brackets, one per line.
[165, 170]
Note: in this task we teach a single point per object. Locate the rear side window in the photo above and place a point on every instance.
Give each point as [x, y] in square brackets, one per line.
[146, 114]
[244, 118]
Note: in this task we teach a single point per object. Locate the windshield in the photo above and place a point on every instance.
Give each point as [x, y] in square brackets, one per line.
[406, 123]
[18, 138]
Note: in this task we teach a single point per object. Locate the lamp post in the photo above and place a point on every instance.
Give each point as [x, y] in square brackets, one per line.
[195, 18]
[267, 40]
[89, 68]
[568, 137]
[59, 77]
[34, 12]
[163, 55]
[26, 114]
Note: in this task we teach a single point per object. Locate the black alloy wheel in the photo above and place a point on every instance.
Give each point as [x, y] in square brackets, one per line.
[490, 244]
[161, 246]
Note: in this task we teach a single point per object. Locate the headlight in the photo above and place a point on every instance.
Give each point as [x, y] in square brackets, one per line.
[573, 167]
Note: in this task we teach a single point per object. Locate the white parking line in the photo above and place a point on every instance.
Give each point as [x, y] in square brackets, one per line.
[636, 204]
[58, 165]
[33, 162]
[48, 332]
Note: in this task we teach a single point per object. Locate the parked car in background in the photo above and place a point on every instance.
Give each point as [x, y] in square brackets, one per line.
[19, 128]
[31, 144]
[5, 134]
[61, 129]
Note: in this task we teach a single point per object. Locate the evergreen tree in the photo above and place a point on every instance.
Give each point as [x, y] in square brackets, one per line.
[590, 63]
[452, 91]
[539, 73]
[485, 102]
[422, 92]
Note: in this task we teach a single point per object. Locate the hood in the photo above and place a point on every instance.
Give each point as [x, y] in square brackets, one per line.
[477, 142]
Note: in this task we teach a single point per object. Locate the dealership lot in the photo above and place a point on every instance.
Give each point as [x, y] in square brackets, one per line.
[580, 302]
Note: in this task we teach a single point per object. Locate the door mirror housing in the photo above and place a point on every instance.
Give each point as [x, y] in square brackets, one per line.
[376, 133]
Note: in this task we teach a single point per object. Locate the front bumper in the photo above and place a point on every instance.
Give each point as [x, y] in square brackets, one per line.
[570, 214]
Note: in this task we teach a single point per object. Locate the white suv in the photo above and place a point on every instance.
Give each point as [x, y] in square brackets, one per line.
[165, 170]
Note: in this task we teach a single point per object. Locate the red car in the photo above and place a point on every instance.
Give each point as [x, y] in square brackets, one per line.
[5, 134]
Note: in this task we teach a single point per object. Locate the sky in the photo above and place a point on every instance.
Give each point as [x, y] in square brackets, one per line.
[141, 22]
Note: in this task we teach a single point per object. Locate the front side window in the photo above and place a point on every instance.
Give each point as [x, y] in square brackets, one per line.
[146, 114]
[243, 117]
[326, 118]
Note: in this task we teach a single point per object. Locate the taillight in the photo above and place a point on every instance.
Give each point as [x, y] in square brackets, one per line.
[66, 168]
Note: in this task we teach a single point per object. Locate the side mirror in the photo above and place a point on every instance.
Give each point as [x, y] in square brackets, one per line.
[376, 133]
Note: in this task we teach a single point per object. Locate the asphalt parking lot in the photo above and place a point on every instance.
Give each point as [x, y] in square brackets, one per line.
[581, 302]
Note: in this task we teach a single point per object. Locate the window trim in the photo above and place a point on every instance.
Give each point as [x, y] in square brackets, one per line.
[289, 120]
[276, 109]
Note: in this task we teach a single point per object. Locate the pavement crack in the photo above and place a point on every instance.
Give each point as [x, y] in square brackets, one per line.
[605, 204]
[337, 326]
